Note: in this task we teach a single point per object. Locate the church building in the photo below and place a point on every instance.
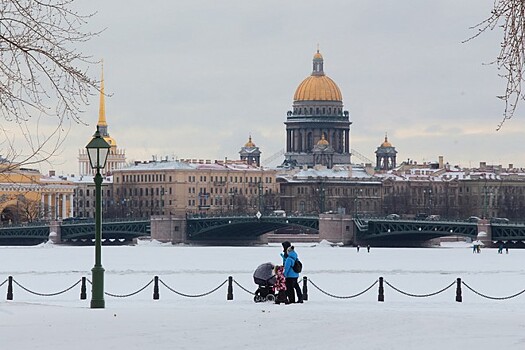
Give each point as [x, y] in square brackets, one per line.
[317, 127]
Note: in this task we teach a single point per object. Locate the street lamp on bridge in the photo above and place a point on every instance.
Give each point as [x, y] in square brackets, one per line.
[97, 150]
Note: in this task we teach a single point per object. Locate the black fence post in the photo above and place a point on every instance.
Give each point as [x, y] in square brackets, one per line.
[229, 296]
[156, 295]
[83, 294]
[10, 288]
[381, 295]
[305, 288]
[459, 298]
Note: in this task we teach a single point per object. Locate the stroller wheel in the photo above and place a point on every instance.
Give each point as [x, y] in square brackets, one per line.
[257, 298]
[270, 297]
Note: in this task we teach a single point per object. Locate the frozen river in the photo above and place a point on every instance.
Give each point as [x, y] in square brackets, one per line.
[138, 322]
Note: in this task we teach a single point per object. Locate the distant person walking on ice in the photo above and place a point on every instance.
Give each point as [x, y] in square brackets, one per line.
[358, 248]
[368, 248]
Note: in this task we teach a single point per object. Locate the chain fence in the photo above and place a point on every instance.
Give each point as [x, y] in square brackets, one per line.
[46, 294]
[193, 295]
[419, 295]
[244, 289]
[125, 295]
[343, 297]
[490, 297]
[231, 281]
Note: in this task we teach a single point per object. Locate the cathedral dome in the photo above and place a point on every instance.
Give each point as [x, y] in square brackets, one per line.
[250, 143]
[386, 143]
[318, 86]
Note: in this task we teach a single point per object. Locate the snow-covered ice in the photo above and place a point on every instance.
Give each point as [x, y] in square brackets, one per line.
[211, 322]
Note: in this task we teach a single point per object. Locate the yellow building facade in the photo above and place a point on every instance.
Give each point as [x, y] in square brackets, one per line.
[194, 187]
[27, 196]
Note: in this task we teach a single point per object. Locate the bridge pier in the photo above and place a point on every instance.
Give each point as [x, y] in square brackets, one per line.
[170, 228]
[54, 232]
[337, 228]
[484, 227]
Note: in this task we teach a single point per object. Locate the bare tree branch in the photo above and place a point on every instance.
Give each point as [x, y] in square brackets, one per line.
[508, 15]
[41, 74]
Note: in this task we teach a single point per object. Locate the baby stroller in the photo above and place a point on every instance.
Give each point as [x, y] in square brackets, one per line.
[265, 291]
[265, 279]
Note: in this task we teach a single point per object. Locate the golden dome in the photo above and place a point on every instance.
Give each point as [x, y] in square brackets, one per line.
[323, 141]
[110, 140]
[249, 143]
[386, 143]
[318, 88]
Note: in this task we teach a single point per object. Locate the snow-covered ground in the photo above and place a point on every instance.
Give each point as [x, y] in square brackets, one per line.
[211, 322]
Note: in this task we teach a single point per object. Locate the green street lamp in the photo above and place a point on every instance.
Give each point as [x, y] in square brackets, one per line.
[97, 150]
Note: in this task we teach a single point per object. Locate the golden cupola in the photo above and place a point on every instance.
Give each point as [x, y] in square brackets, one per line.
[386, 143]
[250, 143]
[318, 86]
[323, 141]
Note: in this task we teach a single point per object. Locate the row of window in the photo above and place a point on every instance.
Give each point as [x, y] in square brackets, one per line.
[144, 178]
[352, 192]
[318, 111]
[234, 179]
[146, 191]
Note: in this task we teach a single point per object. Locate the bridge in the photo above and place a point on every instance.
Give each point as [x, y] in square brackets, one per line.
[244, 227]
[117, 231]
[380, 232]
[376, 232]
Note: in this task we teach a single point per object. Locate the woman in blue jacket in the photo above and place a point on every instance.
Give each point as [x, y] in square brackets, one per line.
[291, 276]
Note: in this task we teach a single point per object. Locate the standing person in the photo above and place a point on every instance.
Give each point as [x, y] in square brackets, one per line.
[368, 248]
[291, 277]
[358, 248]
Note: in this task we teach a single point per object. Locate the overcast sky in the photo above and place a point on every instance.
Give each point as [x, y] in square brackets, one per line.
[192, 79]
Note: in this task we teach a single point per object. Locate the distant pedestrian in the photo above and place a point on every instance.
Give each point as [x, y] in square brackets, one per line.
[506, 249]
[358, 248]
[368, 248]
[500, 249]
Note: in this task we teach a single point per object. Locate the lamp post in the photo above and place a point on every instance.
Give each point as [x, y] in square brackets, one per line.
[260, 188]
[98, 150]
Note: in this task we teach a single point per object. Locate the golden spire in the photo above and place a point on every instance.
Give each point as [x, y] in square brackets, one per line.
[102, 104]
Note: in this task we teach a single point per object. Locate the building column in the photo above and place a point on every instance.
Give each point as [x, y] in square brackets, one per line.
[71, 205]
[48, 214]
[41, 213]
[64, 213]
[347, 141]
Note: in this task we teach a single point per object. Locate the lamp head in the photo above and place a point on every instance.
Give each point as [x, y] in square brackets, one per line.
[98, 150]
